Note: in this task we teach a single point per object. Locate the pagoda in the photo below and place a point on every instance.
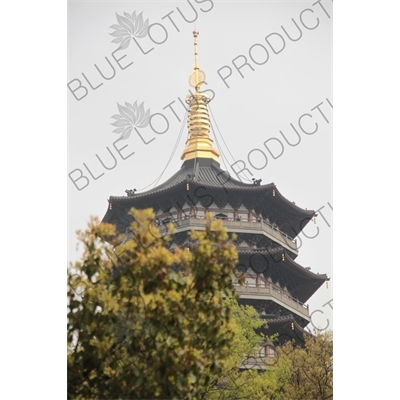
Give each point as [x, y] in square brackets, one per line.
[265, 222]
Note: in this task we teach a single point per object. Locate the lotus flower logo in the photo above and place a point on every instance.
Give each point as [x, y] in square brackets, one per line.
[130, 26]
[130, 116]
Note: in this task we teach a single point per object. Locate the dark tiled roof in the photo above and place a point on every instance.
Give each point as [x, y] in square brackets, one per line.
[207, 172]
[204, 172]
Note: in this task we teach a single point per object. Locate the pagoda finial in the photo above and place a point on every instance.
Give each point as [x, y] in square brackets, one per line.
[197, 77]
[199, 143]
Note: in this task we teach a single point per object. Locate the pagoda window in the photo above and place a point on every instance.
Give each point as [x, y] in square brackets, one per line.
[251, 278]
[251, 282]
[185, 212]
[200, 214]
[261, 281]
[230, 215]
[243, 217]
[221, 216]
[270, 351]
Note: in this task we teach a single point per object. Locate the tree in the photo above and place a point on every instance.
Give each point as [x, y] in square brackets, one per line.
[145, 321]
[297, 373]
[252, 383]
[311, 366]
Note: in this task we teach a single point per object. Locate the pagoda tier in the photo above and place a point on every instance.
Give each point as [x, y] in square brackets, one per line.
[278, 304]
[201, 182]
[288, 328]
[280, 270]
[263, 266]
[250, 235]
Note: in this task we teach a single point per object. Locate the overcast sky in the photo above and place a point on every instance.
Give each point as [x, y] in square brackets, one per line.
[283, 81]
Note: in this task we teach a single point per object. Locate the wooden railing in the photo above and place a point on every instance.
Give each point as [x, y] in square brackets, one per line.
[276, 293]
[242, 226]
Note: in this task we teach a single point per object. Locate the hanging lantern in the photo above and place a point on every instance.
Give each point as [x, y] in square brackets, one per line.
[327, 284]
[273, 192]
[283, 256]
[110, 207]
[187, 186]
[292, 326]
[315, 220]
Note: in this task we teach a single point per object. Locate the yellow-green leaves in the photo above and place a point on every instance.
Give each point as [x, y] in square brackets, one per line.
[149, 322]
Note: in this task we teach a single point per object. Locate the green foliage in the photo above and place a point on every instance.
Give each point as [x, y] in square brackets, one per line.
[145, 322]
[311, 368]
[298, 373]
[245, 347]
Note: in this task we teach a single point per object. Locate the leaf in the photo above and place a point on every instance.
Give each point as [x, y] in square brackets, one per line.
[140, 112]
[118, 130]
[128, 105]
[127, 113]
[120, 33]
[131, 24]
[121, 123]
[142, 34]
[115, 26]
[126, 133]
[117, 40]
[139, 22]
[116, 116]
[125, 23]
[144, 30]
[145, 121]
[127, 15]
[135, 106]
[125, 43]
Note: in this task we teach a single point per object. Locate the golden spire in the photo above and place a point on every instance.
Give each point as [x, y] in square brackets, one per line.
[199, 143]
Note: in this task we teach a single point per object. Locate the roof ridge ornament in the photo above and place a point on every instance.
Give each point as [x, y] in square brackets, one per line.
[130, 192]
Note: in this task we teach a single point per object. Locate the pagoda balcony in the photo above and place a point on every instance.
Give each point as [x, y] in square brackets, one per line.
[256, 227]
[276, 294]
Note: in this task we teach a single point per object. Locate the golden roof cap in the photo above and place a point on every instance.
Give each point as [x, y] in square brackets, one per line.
[199, 143]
